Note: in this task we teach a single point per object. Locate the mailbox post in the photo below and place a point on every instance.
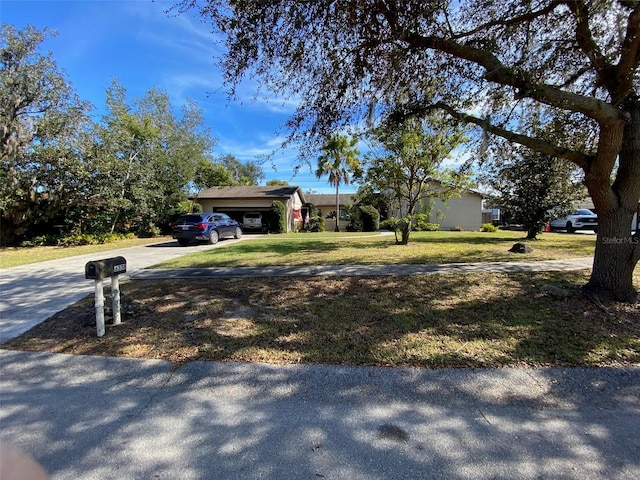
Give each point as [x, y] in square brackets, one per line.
[98, 270]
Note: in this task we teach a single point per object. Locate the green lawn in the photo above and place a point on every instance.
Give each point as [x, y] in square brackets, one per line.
[12, 257]
[350, 249]
[443, 321]
[341, 248]
[471, 320]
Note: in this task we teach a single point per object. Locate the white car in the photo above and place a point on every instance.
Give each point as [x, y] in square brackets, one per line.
[252, 221]
[582, 219]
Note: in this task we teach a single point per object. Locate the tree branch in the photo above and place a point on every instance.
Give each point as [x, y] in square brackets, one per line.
[580, 159]
[630, 55]
[497, 72]
[527, 17]
[585, 41]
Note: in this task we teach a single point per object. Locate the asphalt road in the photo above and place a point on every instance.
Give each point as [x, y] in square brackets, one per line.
[115, 418]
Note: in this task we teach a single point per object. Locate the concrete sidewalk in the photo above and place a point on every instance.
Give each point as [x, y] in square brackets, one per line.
[115, 418]
[370, 270]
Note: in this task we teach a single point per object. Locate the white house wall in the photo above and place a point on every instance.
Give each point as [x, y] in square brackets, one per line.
[465, 212]
[296, 202]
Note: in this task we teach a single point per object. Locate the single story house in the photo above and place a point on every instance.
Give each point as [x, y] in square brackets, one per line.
[326, 204]
[464, 211]
[236, 201]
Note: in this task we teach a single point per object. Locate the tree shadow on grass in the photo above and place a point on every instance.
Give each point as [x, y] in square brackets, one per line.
[479, 320]
[87, 416]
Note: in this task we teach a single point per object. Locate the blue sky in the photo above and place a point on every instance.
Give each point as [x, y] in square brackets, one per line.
[135, 42]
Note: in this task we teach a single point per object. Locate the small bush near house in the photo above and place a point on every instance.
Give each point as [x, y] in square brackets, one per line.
[421, 224]
[316, 224]
[390, 223]
[457, 228]
[431, 227]
[370, 218]
[278, 222]
[488, 227]
[355, 220]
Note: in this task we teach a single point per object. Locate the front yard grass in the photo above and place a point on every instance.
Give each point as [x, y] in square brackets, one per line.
[15, 256]
[434, 321]
[437, 321]
[423, 248]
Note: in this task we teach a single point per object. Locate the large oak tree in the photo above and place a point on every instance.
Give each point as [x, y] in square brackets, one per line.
[484, 62]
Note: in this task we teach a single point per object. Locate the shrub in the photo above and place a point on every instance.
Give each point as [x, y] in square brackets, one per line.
[76, 240]
[390, 223]
[278, 222]
[420, 223]
[431, 227]
[148, 230]
[80, 239]
[488, 227]
[43, 240]
[316, 224]
[355, 221]
[457, 228]
[370, 218]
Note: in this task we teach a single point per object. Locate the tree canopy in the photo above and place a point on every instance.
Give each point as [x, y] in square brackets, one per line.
[484, 62]
[245, 174]
[43, 127]
[147, 155]
[407, 165]
[129, 171]
[535, 188]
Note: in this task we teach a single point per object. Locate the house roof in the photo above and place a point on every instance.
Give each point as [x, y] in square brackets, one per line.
[251, 192]
[329, 199]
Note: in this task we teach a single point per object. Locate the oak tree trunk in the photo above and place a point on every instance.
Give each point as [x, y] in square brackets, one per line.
[615, 259]
[617, 250]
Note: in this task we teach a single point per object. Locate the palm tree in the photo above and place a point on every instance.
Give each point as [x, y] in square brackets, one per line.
[338, 160]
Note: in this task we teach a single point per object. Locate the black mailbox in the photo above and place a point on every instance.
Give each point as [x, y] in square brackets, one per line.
[108, 267]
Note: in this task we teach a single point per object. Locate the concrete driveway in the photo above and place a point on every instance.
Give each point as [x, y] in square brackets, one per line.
[32, 293]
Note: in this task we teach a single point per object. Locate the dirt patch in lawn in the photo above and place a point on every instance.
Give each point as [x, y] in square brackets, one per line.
[476, 320]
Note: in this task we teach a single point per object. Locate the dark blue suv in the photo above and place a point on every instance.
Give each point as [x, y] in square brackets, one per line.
[208, 227]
